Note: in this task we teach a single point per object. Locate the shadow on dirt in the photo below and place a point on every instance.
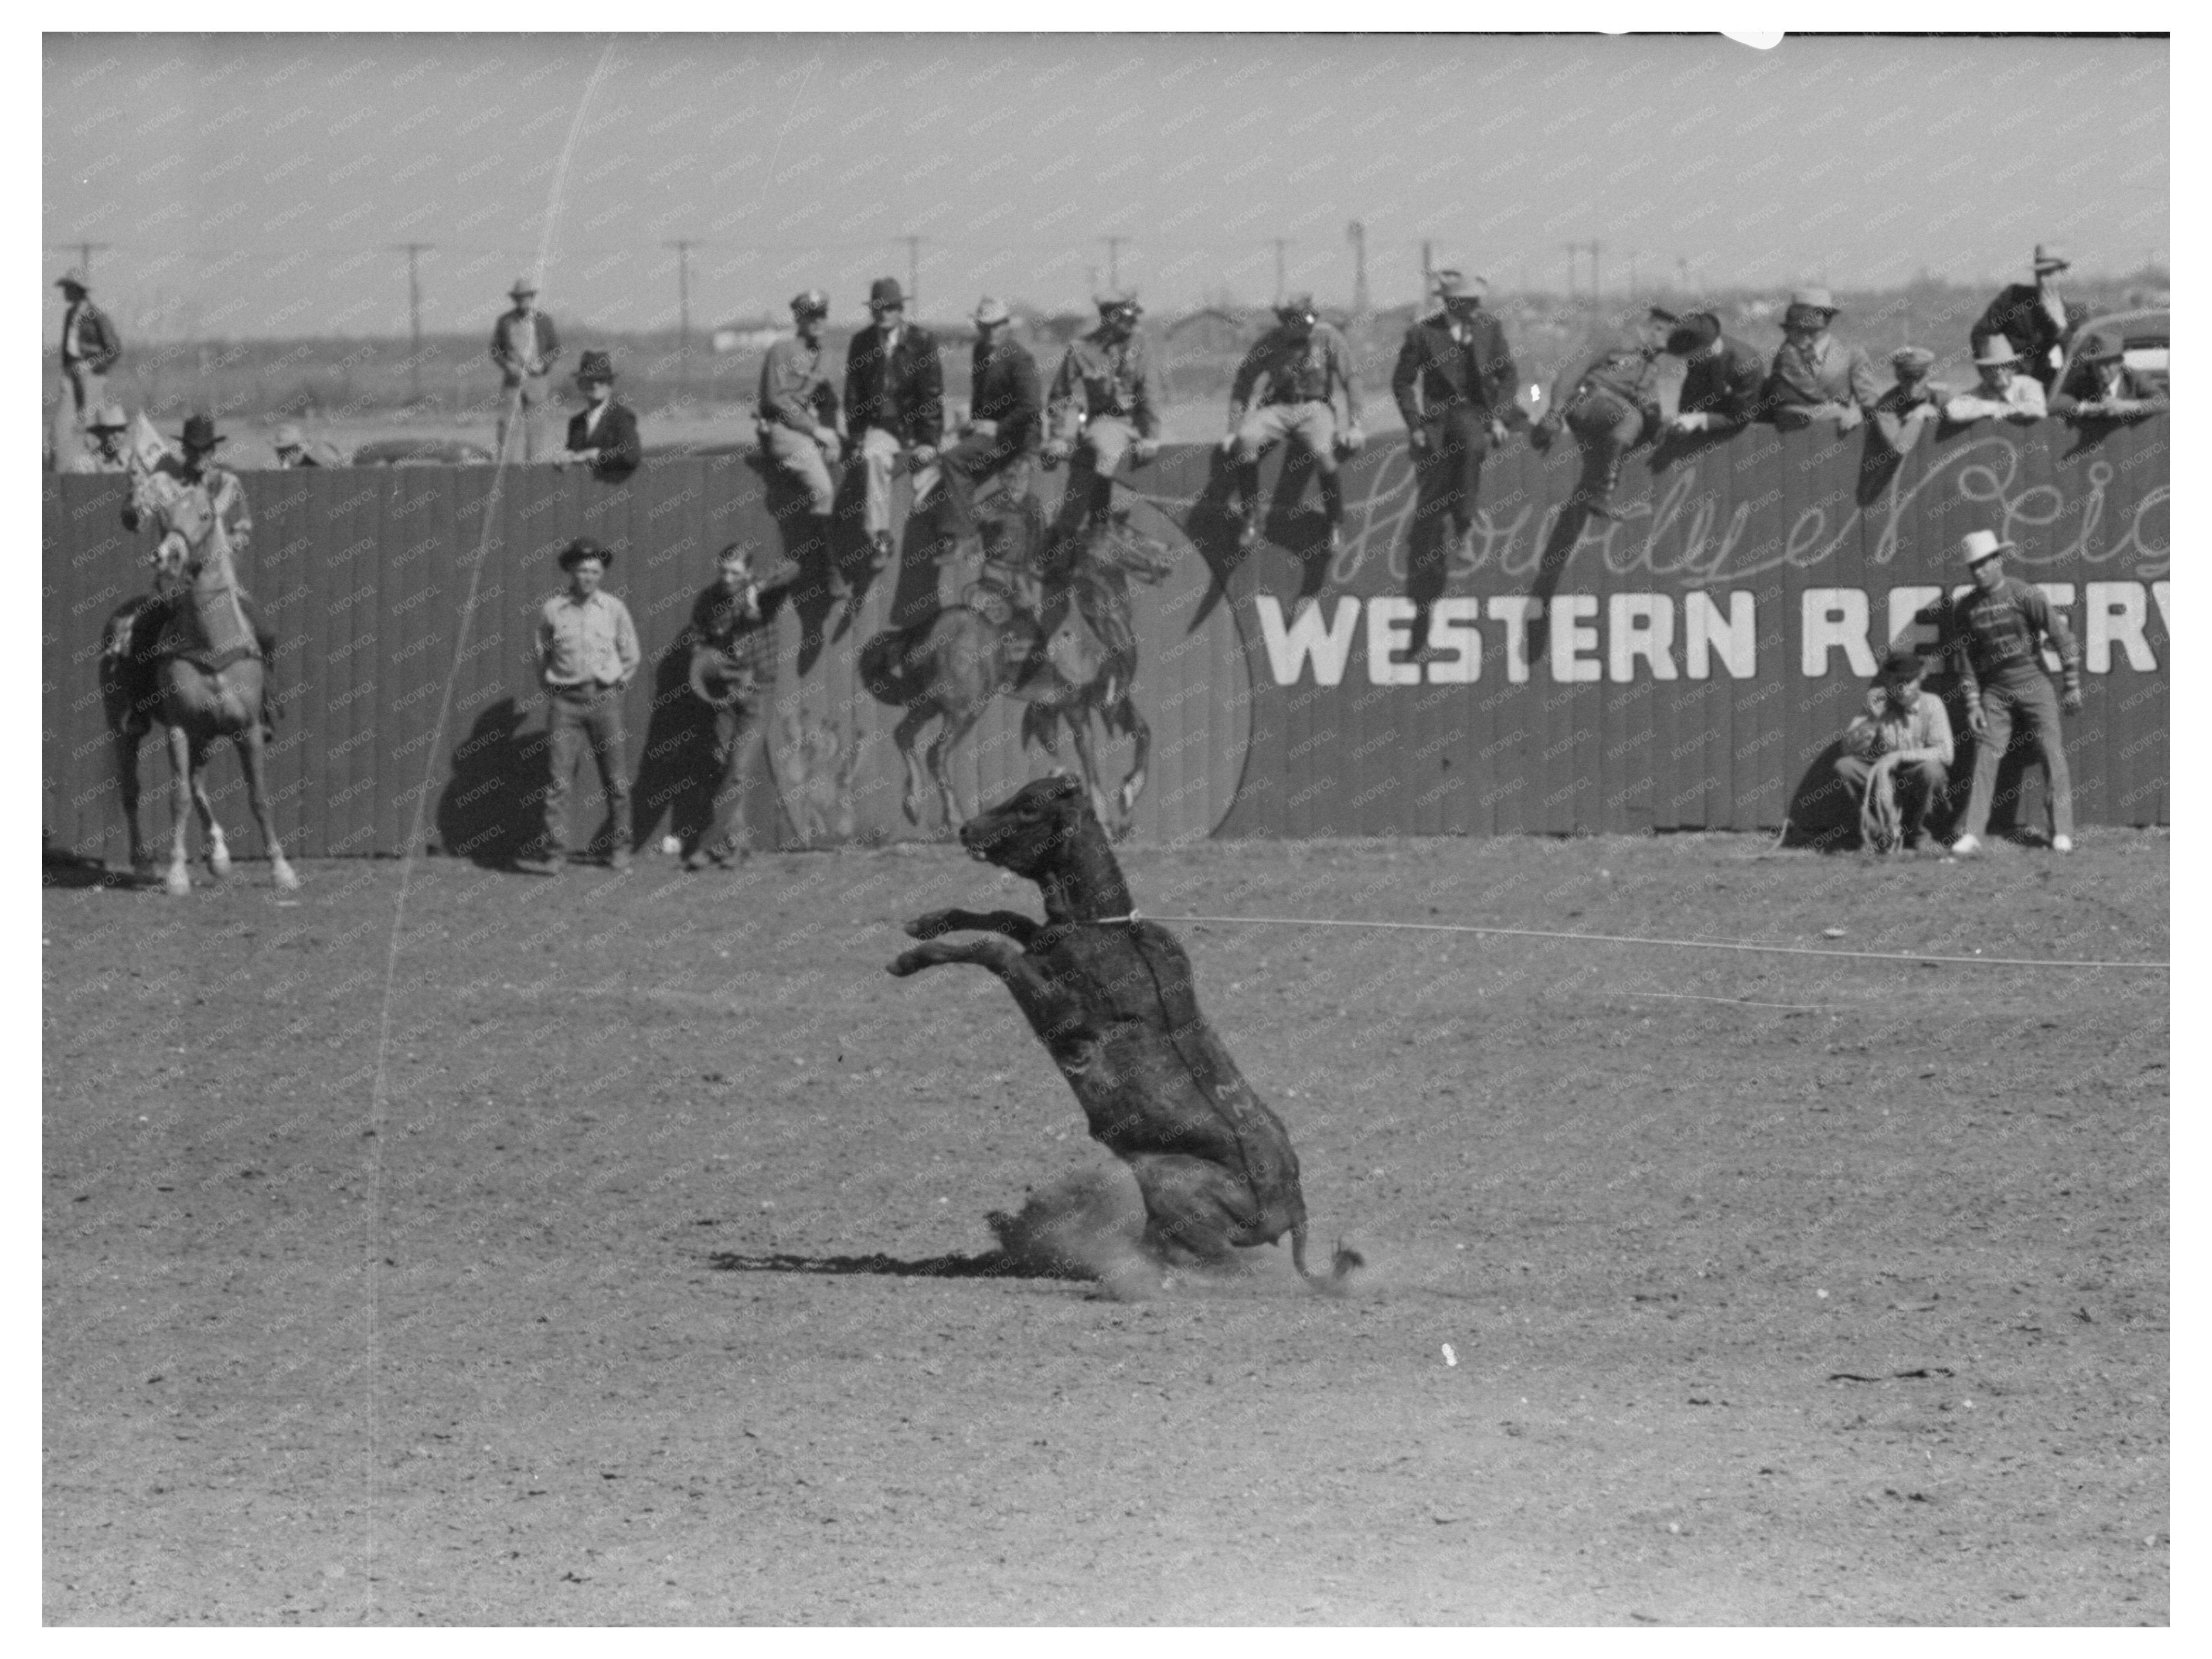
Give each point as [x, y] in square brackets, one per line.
[989, 1264]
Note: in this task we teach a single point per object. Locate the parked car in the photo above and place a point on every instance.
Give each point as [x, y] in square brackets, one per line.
[421, 452]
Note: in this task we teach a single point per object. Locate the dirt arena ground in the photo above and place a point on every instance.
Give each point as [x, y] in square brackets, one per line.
[653, 1287]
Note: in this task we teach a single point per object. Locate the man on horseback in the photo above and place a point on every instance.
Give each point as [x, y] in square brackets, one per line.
[1105, 404]
[197, 491]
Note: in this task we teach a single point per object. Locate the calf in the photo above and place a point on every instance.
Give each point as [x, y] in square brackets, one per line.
[1110, 997]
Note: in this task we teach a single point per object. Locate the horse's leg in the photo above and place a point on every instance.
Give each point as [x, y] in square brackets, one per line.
[906, 734]
[183, 763]
[958, 722]
[1141, 736]
[218, 850]
[126, 785]
[256, 762]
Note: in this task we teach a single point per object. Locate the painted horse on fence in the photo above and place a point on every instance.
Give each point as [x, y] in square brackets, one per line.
[1049, 625]
[187, 657]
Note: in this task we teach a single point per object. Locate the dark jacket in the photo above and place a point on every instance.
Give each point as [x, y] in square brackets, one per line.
[2018, 314]
[1725, 387]
[1436, 375]
[97, 344]
[1993, 636]
[905, 397]
[546, 349]
[615, 441]
[2085, 384]
[1007, 389]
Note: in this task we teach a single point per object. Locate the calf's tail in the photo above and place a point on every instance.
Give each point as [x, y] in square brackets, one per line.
[1342, 1260]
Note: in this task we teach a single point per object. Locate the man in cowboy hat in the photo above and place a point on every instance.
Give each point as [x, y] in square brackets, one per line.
[2034, 319]
[1455, 384]
[525, 345]
[2003, 392]
[1005, 424]
[1721, 378]
[1913, 404]
[1105, 404]
[291, 447]
[1815, 377]
[894, 407]
[603, 434]
[90, 346]
[104, 453]
[1612, 406]
[797, 415]
[1994, 632]
[587, 653]
[733, 672]
[1286, 388]
[1909, 730]
[2101, 386]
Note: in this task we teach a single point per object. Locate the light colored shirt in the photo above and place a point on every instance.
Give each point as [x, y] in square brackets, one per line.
[1923, 730]
[2023, 395]
[585, 642]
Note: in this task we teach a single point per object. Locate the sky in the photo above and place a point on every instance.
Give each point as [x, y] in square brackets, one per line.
[263, 187]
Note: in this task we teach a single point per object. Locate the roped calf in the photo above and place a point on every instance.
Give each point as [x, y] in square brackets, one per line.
[1110, 997]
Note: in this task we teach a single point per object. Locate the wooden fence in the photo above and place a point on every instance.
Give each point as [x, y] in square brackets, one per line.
[1685, 666]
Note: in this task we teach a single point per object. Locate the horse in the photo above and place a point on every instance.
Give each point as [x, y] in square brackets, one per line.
[200, 685]
[1075, 663]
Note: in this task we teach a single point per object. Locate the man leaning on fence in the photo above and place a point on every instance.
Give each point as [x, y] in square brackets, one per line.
[1815, 376]
[1897, 756]
[733, 672]
[1722, 378]
[525, 345]
[587, 652]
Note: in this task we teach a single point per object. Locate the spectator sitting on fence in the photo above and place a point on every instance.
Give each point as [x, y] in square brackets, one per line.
[1897, 756]
[2101, 386]
[2004, 392]
[291, 447]
[1815, 377]
[105, 428]
[1721, 378]
[603, 435]
[1612, 406]
[1913, 404]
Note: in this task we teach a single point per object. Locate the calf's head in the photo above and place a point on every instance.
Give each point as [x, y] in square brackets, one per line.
[1032, 830]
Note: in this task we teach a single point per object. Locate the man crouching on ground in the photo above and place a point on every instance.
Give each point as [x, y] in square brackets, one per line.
[1897, 756]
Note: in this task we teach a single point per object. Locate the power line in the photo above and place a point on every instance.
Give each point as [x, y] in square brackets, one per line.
[84, 252]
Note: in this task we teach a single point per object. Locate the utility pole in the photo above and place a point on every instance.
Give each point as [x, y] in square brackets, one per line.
[1357, 234]
[1573, 248]
[1634, 255]
[415, 322]
[1428, 270]
[1280, 244]
[1597, 283]
[683, 316]
[1682, 273]
[912, 275]
[1114, 261]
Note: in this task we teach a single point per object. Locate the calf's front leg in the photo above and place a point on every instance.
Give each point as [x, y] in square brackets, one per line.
[1016, 926]
[1000, 956]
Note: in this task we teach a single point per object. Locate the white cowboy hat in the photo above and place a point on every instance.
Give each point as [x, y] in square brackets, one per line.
[1979, 545]
[1996, 350]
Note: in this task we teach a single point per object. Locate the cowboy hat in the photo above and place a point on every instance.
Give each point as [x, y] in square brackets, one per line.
[2048, 258]
[1299, 307]
[1976, 546]
[1453, 283]
[288, 436]
[199, 432]
[2102, 349]
[1814, 299]
[1996, 350]
[990, 312]
[1904, 662]
[522, 285]
[1919, 359]
[1116, 299]
[73, 278]
[108, 418]
[595, 366]
[885, 294]
[1693, 334]
[583, 548]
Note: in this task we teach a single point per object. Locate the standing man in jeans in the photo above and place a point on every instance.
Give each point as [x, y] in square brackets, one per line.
[524, 346]
[587, 654]
[90, 346]
[733, 672]
[1995, 632]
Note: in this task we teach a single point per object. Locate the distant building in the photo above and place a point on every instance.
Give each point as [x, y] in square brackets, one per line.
[746, 336]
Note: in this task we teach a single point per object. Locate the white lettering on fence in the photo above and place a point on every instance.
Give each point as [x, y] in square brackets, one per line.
[2116, 616]
[1570, 641]
[1328, 646]
[1835, 616]
[1519, 612]
[1452, 628]
[1705, 635]
[1639, 625]
[1389, 630]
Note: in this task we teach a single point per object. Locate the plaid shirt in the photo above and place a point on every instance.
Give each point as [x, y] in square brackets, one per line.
[746, 636]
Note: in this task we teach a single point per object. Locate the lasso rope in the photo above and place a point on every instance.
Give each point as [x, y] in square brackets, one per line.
[1881, 825]
[1678, 944]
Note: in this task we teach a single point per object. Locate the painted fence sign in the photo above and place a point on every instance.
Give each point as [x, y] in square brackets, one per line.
[1685, 666]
